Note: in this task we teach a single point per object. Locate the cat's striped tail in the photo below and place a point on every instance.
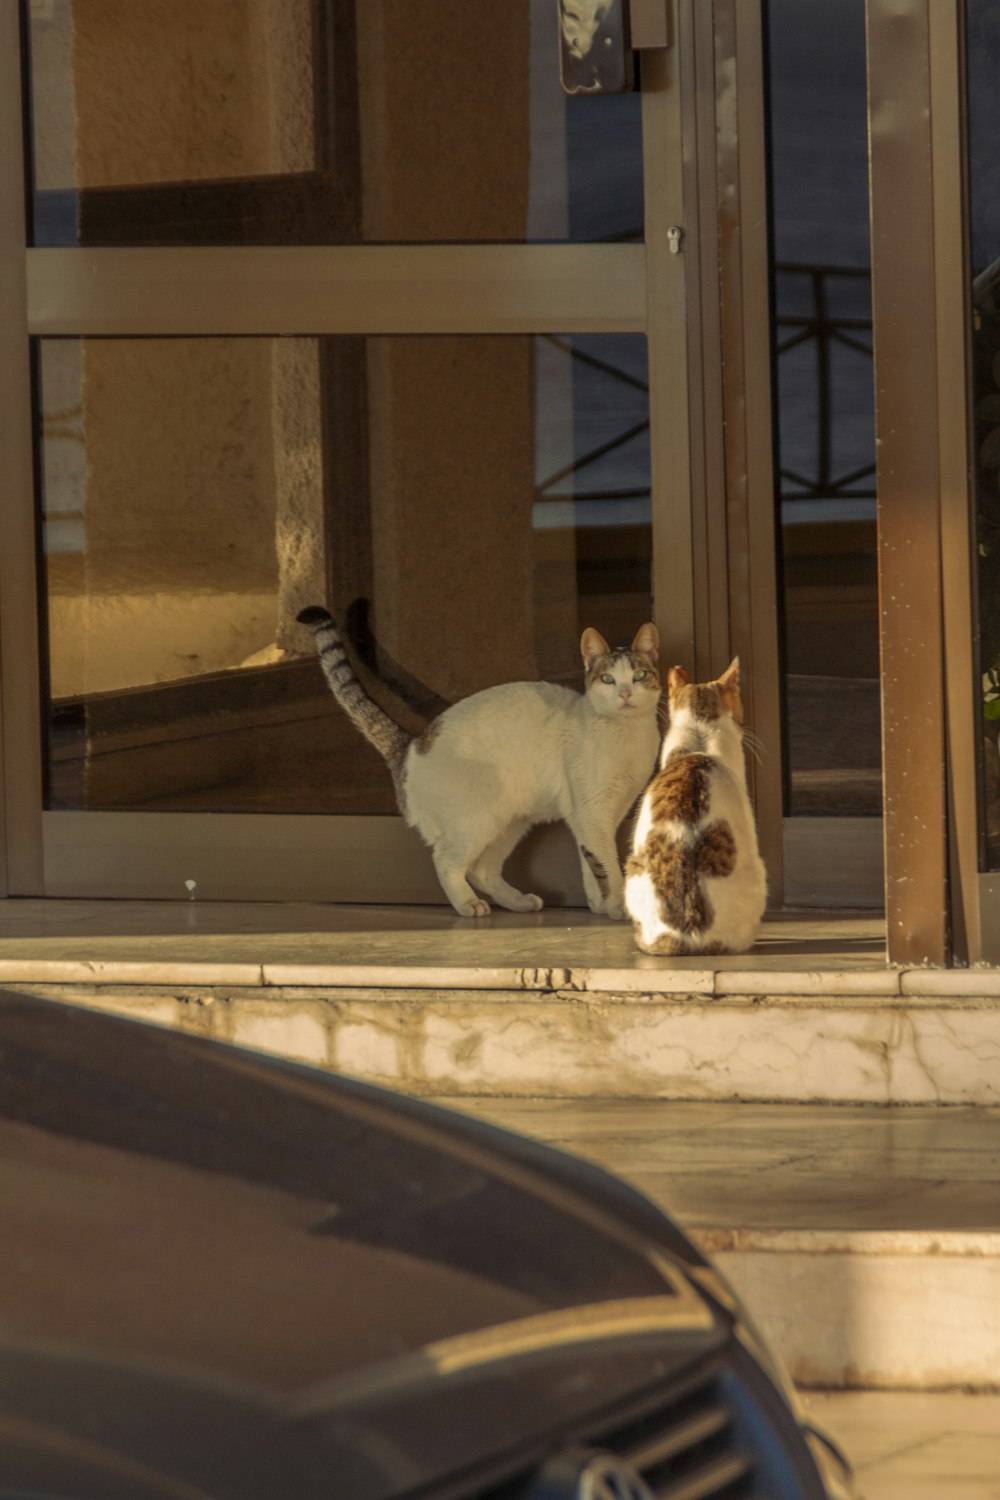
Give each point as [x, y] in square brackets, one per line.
[389, 739]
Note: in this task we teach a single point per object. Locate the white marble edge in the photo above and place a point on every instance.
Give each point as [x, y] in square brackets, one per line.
[794, 982]
[975, 983]
[413, 977]
[978, 1244]
[129, 971]
[779, 985]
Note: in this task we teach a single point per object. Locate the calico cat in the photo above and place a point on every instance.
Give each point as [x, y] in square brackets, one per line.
[695, 882]
[496, 763]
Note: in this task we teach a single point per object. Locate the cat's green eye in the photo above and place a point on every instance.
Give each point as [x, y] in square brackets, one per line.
[607, 677]
[640, 676]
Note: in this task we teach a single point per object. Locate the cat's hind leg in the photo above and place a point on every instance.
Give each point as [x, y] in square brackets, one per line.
[451, 861]
[487, 872]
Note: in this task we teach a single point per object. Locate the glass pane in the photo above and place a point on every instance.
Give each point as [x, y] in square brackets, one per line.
[466, 505]
[983, 21]
[825, 461]
[319, 122]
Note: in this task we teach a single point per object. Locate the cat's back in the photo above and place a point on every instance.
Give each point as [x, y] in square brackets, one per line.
[513, 710]
[679, 793]
[504, 747]
[692, 788]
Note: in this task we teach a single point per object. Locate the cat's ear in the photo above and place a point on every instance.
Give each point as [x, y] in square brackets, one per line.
[729, 687]
[731, 676]
[592, 646]
[677, 679]
[647, 642]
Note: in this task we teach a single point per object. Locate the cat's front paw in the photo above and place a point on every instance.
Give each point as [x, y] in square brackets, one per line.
[616, 911]
[527, 902]
[474, 907]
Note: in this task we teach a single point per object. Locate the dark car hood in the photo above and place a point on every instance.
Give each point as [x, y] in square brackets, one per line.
[240, 1277]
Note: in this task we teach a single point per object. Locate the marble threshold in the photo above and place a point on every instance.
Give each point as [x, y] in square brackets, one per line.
[267, 945]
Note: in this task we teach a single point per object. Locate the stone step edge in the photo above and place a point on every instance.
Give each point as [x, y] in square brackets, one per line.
[871, 985]
[870, 1310]
[483, 1043]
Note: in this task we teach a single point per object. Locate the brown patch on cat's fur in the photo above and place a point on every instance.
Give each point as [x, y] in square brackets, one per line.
[598, 871]
[732, 702]
[729, 689]
[677, 871]
[665, 947]
[424, 741]
[707, 700]
[680, 791]
[704, 700]
[672, 869]
[671, 947]
[717, 851]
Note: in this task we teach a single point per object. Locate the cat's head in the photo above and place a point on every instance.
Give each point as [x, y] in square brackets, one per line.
[706, 702]
[622, 679]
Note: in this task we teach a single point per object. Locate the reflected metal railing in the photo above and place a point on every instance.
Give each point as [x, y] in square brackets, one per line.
[543, 488]
[825, 331]
[816, 326]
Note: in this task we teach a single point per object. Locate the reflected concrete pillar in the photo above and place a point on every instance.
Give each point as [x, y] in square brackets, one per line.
[445, 129]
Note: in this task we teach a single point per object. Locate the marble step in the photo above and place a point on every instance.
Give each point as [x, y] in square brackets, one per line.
[764, 1036]
[865, 1241]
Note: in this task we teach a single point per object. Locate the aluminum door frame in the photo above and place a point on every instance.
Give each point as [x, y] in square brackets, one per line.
[396, 289]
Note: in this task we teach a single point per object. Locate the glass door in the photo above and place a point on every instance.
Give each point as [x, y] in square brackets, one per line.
[825, 452]
[323, 305]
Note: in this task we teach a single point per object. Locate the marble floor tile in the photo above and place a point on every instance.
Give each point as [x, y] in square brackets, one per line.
[783, 1166]
[916, 1446]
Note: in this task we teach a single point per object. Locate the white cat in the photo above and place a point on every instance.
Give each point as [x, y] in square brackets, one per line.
[580, 21]
[508, 757]
[695, 881]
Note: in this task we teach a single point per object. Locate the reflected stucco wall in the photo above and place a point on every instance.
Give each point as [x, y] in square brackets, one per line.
[172, 92]
[445, 129]
[205, 521]
[202, 488]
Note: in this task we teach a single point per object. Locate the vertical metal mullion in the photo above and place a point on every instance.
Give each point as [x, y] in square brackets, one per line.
[904, 316]
[667, 336]
[708, 474]
[760, 608]
[953, 293]
[20, 718]
[746, 389]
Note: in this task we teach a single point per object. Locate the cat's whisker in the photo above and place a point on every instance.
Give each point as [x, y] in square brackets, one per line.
[755, 745]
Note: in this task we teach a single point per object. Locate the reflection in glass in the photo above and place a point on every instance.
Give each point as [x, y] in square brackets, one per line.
[466, 505]
[983, 61]
[825, 456]
[319, 122]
